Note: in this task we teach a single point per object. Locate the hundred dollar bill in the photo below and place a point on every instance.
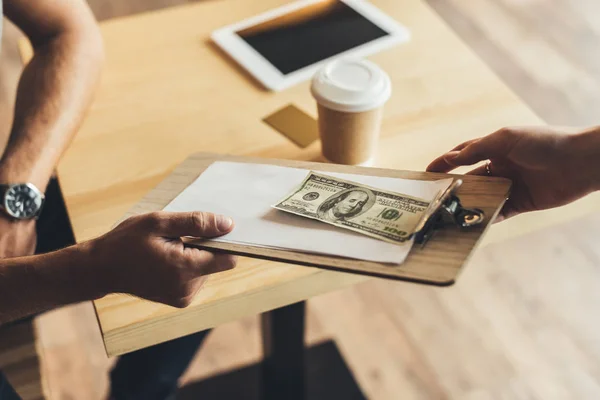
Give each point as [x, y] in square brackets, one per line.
[374, 212]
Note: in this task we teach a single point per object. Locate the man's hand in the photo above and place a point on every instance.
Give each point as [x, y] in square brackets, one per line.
[17, 238]
[549, 167]
[144, 256]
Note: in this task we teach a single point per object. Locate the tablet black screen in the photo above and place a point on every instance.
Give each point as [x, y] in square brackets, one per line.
[311, 34]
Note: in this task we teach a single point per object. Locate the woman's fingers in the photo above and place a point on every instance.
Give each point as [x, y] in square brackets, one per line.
[496, 145]
[464, 144]
[482, 170]
[440, 165]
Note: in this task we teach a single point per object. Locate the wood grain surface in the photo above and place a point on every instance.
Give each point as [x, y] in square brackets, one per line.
[190, 97]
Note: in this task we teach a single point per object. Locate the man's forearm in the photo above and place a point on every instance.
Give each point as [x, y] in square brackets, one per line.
[33, 284]
[54, 92]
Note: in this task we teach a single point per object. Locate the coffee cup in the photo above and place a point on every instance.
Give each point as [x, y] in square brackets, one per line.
[350, 96]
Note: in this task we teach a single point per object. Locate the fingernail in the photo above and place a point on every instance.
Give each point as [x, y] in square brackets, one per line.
[224, 223]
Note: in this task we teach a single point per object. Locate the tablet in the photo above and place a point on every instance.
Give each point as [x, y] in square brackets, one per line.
[285, 46]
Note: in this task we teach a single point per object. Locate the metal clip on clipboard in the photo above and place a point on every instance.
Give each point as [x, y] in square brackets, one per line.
[446, 209]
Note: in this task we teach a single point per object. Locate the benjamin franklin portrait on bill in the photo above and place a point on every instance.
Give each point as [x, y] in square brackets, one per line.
[346, 205]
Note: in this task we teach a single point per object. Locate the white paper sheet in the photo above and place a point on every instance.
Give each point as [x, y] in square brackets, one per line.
[246, 192]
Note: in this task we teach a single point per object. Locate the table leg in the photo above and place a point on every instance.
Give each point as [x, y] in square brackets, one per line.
[283, 375]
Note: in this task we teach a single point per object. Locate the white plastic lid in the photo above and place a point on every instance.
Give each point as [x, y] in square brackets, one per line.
[351, 86]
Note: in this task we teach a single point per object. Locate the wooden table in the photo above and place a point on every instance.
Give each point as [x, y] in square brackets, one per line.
[168, 92]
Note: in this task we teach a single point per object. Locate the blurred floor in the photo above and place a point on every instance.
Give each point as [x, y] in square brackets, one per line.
[520, 324]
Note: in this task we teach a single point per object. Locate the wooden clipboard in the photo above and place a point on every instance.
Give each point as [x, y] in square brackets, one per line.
[438, 262]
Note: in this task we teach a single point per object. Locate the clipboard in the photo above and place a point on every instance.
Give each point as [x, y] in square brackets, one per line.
[443, 250]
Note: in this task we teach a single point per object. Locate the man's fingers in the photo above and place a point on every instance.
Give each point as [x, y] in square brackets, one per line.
[195, 224]
[221, 262]
[198, 265]
[195, 285]
[208, 263]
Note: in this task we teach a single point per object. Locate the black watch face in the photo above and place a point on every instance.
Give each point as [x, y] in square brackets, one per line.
[22, 201]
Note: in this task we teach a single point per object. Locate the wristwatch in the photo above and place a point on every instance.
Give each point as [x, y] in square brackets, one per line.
[21, 200]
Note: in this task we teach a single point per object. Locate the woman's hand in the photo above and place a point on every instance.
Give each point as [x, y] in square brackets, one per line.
[549, 167]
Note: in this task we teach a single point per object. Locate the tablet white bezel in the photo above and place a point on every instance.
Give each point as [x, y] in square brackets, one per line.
[271, 77]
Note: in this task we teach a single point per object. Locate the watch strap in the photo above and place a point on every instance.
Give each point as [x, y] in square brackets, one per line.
[39, 211]
[3, 189]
